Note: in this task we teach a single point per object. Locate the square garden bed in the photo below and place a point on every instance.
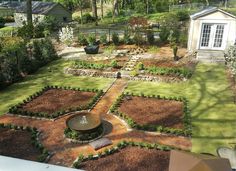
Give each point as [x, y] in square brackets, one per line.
[53, 101]
[154, 113]
[127, 156]
[21, 142]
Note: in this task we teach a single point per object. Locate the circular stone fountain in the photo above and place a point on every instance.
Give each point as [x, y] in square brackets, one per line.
[84, 127]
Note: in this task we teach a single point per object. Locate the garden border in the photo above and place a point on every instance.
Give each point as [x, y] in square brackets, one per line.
[45, 155]
[15, 110]
[122, 144]
[187, 131]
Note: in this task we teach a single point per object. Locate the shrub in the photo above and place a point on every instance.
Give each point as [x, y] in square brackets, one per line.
[150, 37]
[127, 39]
[114, 64]
[26, 31]
[82, 40]
[91, 39]
[183, 39]
[140, 66]
[175, 50]
[182, 15]
[2, 22]
[66, 35]
[164, 34]
[103, 38]
[138, 38]
[134, 73]
[87, 18]
[115, 38]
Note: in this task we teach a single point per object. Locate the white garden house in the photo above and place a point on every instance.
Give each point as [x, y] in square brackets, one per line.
[211, 31]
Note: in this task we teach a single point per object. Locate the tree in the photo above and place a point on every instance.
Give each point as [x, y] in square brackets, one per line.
[29, 12]
[94, 8]
[102, 8]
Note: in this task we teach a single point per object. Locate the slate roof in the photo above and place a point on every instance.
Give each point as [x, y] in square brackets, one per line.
[38, 7]
[8, 4]
[209, 10]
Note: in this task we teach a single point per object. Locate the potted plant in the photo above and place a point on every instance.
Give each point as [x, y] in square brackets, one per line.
[92, 48]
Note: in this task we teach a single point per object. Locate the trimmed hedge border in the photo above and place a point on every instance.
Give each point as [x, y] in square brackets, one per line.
[123, 144]
[17, 108]
[187, 131]
[34, 139]
[179, 72]
[83, 137]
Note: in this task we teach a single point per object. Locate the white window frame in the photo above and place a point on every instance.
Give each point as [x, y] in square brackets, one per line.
[225, 37]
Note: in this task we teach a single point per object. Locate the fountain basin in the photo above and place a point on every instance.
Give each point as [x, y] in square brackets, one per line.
[84, 127]
[84, 122]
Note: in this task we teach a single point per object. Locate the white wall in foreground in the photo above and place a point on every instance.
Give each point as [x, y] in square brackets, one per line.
[13, 164]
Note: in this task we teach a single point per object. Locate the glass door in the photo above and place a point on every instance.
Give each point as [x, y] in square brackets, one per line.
[212, 36]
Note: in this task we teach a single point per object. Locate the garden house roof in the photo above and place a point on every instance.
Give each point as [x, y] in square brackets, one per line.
[38, 7]
[209, 10]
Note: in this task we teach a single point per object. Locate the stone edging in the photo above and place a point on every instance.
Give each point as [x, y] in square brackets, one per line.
[106, 74]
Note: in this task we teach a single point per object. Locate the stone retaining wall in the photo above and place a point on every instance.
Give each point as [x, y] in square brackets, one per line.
[107, 74]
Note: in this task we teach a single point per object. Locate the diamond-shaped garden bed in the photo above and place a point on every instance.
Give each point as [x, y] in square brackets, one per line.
[154, 113]
[53, 101]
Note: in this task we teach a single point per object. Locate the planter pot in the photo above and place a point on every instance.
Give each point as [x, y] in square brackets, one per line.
[91, 49]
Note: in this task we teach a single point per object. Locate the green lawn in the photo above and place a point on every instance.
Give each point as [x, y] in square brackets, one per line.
[211, 102]
[51, 74]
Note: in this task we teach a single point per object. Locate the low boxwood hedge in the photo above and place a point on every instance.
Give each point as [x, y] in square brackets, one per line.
[81, 158]
[17, 109]
[75, 135]
[180, 72]
[34, 139]
[187, 131]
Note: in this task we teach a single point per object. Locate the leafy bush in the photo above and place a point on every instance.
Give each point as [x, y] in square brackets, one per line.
[127, 40]
[82, 40]
[114, 64]
[138, 38]
[91, 39]
[164, 34]
[26, 31]
[87, 18]
[182, 15]
[2, 22]
[150, 37]
[230, 58]
[140, 66]
[103, 38]
[115, 38]
[183, 40]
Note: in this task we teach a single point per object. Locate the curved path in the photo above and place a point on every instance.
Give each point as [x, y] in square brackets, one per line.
[65, 152]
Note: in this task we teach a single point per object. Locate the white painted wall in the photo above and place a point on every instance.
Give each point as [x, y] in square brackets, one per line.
[216, 17]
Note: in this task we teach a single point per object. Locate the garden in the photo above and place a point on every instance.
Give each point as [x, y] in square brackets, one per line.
[134, 93]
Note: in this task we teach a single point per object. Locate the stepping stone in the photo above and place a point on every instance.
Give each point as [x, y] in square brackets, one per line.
[100, 143]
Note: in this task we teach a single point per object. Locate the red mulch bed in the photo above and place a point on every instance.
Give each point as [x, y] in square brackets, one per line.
[131, 158]
[16, 143]
[57, 99]
[165, 63]
[153, 111]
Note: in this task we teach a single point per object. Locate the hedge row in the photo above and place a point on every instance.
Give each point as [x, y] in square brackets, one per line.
[81, 158]
[187, 131]
[17, 109]
[181, 72]
[34, 139]
[90, 65]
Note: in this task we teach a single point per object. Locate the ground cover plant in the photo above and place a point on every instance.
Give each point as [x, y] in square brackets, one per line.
[153, 113]
[13, 137]
[211, 104]
[133, 155]
[108, 64]
[54, 101]
[169, 67]
[51, 74]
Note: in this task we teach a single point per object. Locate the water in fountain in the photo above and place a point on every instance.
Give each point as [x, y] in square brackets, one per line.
[83, 120]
